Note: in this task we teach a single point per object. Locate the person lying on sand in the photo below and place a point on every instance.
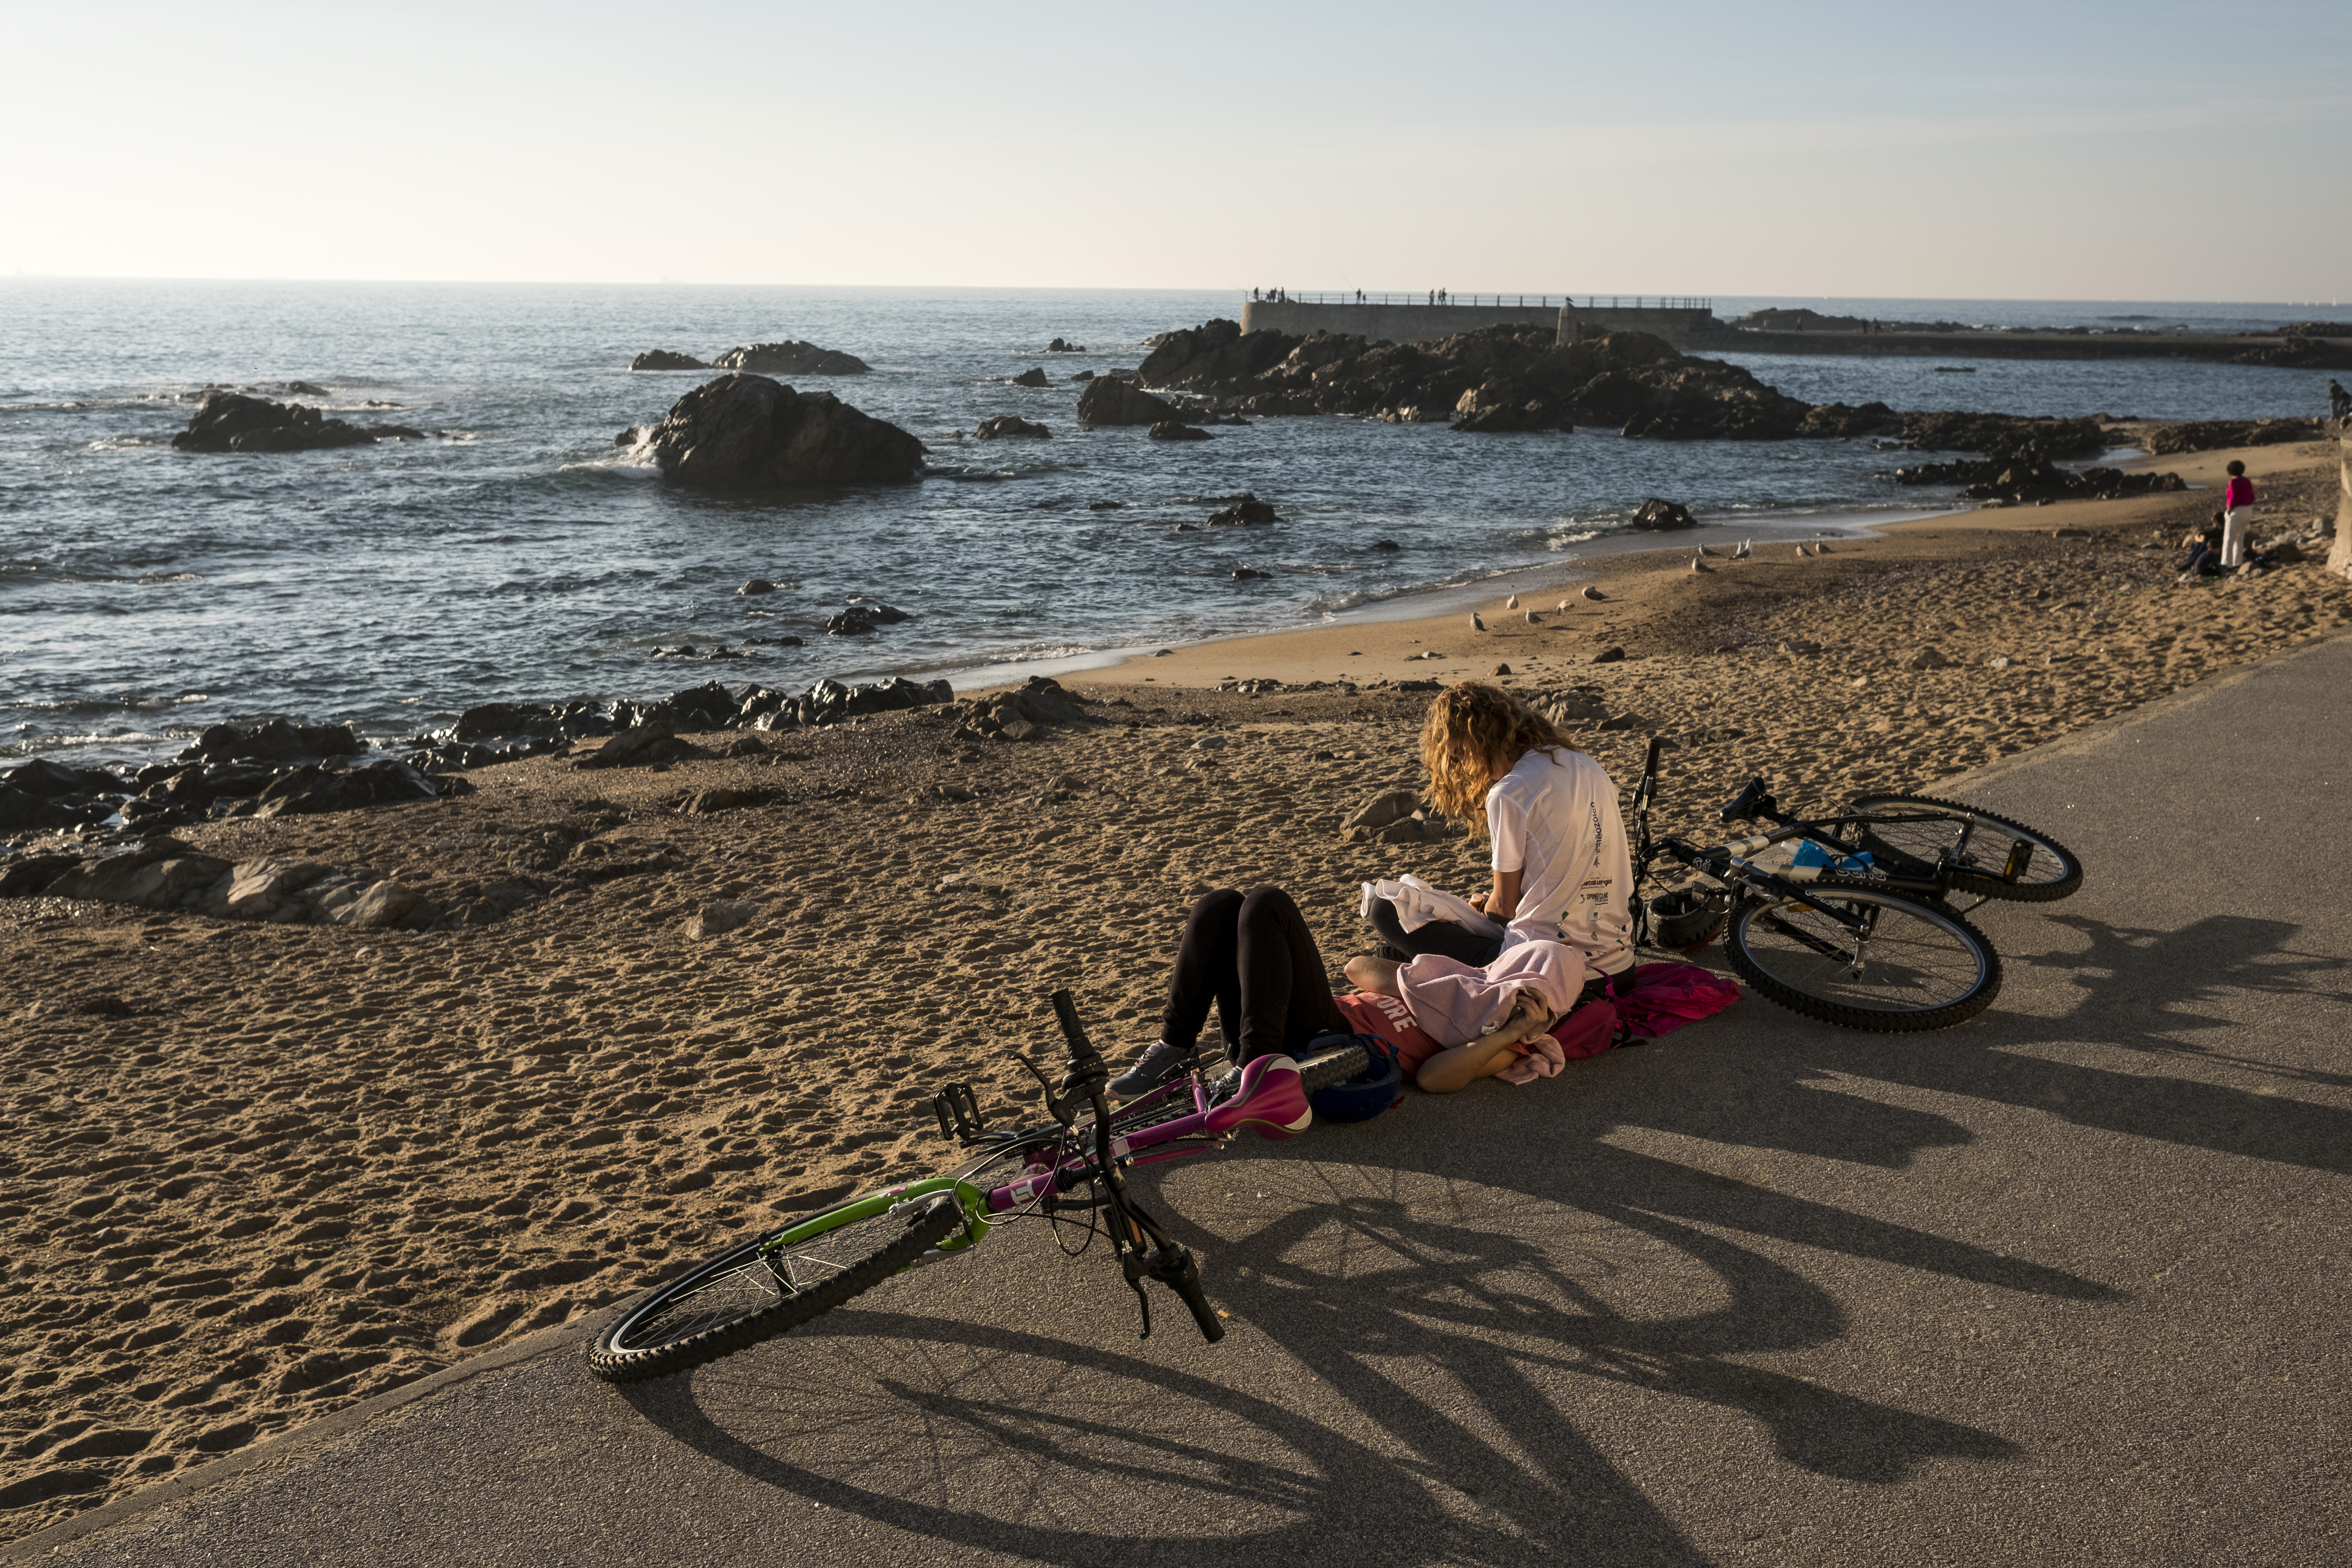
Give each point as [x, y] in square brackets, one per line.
[1252, 955]
[1562, 871]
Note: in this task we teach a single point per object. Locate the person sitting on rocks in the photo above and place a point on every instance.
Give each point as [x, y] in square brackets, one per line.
[1562, 871]
[2204, 547]
[1252, 954]
[2339, 402]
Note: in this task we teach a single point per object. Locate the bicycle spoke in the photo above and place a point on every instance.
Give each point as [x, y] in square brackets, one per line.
[1907, 964]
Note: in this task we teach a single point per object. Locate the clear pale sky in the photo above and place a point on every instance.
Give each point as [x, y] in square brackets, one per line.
[2055, 150]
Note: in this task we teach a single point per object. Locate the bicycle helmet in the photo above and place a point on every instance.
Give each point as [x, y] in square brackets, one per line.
[1366, 1096]
[1687, 918]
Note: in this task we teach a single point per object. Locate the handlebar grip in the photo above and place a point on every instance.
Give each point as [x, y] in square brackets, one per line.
[1067, 1011]
[1650, 763]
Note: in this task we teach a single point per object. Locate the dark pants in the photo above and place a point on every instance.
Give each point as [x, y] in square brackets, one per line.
[1254, 957]
[2205, 563]
[1443, 937]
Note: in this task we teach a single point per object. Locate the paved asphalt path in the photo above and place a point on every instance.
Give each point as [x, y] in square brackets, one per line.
[2066, 1285]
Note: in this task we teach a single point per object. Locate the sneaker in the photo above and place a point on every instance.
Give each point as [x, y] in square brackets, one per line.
[1159, 1065]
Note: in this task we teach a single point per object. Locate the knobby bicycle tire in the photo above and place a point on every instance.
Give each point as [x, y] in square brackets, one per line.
[1333, 1067]
[760, 1307]
[2041, 890]
[1933, 969]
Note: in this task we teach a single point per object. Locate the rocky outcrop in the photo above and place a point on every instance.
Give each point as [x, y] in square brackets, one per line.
[1063, 346]
[232, 422]
[2029, 477]
[2305, 345]
[1659, 513]
[662, 359]
[1005, 424]
[748, 432]
[1996, 436]
[1177, 431]
[1110, 401]
[2210, 435]
[1501, 378]
[1034, 376]
[857, 620]
[1024, 714]
[792, 358]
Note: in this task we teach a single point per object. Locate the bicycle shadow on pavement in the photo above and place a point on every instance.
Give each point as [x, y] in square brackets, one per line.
[2180, 996]
[1443, 1354]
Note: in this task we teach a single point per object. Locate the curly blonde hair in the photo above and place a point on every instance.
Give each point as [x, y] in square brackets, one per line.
[1472, 729]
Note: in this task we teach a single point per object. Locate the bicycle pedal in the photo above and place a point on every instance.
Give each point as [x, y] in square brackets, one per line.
[958, 1109]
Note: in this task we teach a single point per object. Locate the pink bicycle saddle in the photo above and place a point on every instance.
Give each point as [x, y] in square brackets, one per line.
[1269, 1101]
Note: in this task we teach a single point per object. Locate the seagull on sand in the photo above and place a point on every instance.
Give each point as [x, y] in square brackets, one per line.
[1534, 619]
[1594, 593]
[1703, 550]
[1564, 603]
[1514, 604]
[1823, 548]
[1697, 564]
[1476, 625]
[1742, 552]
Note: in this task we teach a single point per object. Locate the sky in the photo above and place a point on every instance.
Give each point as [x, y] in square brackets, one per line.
[2149, 151]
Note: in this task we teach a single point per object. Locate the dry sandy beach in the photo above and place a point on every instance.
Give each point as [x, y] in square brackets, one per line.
[258, 1173]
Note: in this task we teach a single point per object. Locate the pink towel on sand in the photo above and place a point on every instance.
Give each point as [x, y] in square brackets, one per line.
[1456, 1004]
[1665, 996]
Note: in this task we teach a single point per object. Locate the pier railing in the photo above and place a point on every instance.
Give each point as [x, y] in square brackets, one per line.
[1506, 302]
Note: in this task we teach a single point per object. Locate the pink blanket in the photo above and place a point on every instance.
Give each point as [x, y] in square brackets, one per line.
[1665, 996]
[1456, 1004]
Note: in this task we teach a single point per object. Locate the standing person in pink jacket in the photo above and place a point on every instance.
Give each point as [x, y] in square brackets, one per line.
[2237, 517]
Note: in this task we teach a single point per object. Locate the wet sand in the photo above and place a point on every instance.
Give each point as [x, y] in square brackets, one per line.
[258, 1173]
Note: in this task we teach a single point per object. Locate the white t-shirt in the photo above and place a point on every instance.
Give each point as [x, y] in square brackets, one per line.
[1556, 822]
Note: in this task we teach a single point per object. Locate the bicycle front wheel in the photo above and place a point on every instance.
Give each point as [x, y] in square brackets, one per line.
[774, 1283]
[1913, 834]
[1908, 966]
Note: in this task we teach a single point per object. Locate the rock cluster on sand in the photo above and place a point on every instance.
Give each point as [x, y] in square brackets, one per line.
[663, 359]
[749, 432]
[792, 358]
[232, 422]
[1022, 715]
[2210, 435]
[1008, 424]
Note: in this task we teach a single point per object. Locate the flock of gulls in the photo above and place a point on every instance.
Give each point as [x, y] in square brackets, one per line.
[1746, 548]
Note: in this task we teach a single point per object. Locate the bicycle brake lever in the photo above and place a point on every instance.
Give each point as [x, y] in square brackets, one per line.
[1056, 1106]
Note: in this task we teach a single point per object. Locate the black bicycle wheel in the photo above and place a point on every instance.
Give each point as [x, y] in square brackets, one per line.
[1911, 834]
[1912, 966]
[757, 1290]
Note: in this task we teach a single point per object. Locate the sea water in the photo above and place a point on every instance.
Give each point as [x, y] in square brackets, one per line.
[519, 553]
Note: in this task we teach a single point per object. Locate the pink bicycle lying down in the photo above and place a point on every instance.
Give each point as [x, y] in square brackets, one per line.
[789, 1275]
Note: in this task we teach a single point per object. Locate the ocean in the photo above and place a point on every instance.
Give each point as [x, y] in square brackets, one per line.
[519, 554]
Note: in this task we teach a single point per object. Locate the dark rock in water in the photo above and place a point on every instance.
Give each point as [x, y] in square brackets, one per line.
[1109, 401]
[306, 389]
[1501, 404]
[1177, 431]
[1245, 574]
[278, 741]
[2001, 436]
[1060, 347]
[746, 432]
[1386, 545]
[1034, 376]
[49, 779]
[792, 358]
[1008, 424]
[1083, 375]
[231, 422]
[859, 619]
[756, 585]
[1245, 509]
[1106, 505]
[2305, 345]
[1659, 513]
[630, 437]
[662, 359]
[1842, 421]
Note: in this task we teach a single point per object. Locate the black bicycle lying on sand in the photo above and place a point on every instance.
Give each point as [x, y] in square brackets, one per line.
[1849, 918]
